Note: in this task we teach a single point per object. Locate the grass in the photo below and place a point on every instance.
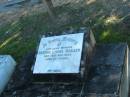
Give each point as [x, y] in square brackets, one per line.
[22, 36]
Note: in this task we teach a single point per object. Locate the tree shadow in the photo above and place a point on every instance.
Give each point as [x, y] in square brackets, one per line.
[109, 20]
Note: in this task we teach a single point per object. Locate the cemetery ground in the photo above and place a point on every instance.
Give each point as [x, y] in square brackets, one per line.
[21, 31]
[110, 22]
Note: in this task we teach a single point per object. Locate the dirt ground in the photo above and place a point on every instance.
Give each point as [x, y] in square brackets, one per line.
[88, 12]
[113, 7]
[24, 9]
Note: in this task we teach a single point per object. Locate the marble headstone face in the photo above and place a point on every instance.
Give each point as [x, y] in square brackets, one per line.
[7, 67]
[59, 54]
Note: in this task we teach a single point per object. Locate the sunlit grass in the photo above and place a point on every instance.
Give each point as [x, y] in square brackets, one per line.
[90, 1]
[111, 20]
[7, 41]
[24, 34]
[104, 35]
[20, 37]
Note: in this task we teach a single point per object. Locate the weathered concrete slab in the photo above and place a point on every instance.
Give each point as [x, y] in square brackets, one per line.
[108, 72]
[11, 5]
[103, 80]
[14, 2]
[33, 2]
[109, 54]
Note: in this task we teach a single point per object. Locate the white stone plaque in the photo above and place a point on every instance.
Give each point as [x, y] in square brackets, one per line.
[7, 67]
[59, 54]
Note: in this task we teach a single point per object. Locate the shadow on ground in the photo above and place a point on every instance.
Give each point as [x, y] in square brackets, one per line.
[109, 20]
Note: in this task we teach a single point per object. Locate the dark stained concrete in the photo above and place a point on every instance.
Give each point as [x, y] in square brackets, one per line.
[103, 80]
[105, 74]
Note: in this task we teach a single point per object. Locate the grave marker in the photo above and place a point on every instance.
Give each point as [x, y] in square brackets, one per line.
[59, 54]
[64, 56]
[7, 66]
